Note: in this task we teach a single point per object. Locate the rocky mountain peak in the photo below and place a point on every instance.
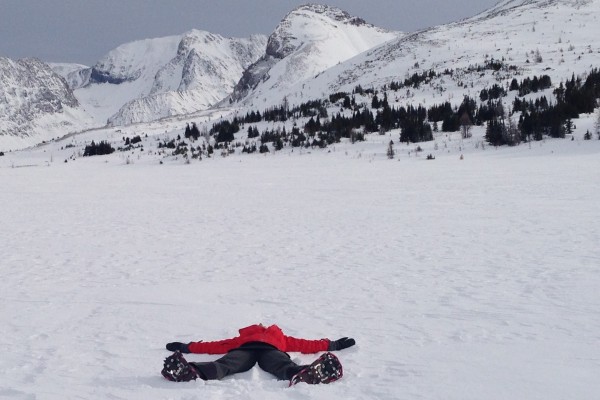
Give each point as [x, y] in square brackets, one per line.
[334, 13]
[295, 27]
[29, 89]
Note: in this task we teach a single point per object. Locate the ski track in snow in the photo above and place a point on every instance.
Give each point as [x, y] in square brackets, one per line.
[472, 279]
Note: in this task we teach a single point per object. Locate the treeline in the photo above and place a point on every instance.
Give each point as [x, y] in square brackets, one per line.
[494, 65]
[467, 113]
[98, 149]
[224, 131]
[531, 85]
[280, 137]
[540, 118]
[525, 87]
[411, 120]
[416, 79]
[283, 113]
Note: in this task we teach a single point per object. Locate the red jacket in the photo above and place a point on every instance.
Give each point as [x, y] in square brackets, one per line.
[258, 333]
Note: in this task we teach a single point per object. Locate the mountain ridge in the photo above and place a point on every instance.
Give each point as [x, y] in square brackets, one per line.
[204, 64]
[511, 32]
[318, 50]
[204, 71]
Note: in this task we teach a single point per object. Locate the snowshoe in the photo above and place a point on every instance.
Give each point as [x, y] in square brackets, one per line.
[325, 369]
[177, 369]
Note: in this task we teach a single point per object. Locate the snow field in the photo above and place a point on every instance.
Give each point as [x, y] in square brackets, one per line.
[459, 279]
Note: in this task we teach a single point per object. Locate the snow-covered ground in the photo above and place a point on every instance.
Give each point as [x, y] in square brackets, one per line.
[459, 279]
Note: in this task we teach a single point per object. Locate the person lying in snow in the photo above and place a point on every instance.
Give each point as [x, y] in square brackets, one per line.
[260, 344]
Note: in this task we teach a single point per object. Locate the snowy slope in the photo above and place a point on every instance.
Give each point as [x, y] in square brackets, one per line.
[308, 41]
[563, 31]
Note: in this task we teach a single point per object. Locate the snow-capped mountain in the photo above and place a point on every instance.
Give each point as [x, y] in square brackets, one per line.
[157, 78]
[36, 103]
[140, 81]
[308, 41]
[530, 37]
[315, 51]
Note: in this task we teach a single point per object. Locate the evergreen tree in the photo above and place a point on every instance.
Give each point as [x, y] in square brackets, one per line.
[390, 151]
[494, 132]
[194, 132]
[385, 118]
[311, 127]
[569, 126]
[385, 103]
[465, 125]
[278, 144]
[450, 123]
[375, 102]
[253, 132]
[597, 123]
[347, 103]
[298, 137]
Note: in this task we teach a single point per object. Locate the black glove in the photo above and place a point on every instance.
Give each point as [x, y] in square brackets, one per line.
[340, 344]
[174, 346]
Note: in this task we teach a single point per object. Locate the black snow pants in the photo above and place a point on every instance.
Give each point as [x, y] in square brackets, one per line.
[242, 359]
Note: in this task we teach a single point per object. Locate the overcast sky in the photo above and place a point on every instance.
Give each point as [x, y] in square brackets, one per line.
[83, 31]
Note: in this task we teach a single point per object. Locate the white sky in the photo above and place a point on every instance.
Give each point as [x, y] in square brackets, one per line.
[83, 31]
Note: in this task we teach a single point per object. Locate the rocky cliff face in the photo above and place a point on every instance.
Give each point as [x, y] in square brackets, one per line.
[29, 91]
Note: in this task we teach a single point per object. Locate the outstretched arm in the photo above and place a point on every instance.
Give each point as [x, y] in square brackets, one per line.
[314, 346]
[217, 347]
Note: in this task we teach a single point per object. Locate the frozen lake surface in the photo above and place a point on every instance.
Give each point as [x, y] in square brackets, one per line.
[472, 279]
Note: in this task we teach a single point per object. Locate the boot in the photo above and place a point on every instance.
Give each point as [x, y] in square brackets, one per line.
[325, 369]
[177, 369]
